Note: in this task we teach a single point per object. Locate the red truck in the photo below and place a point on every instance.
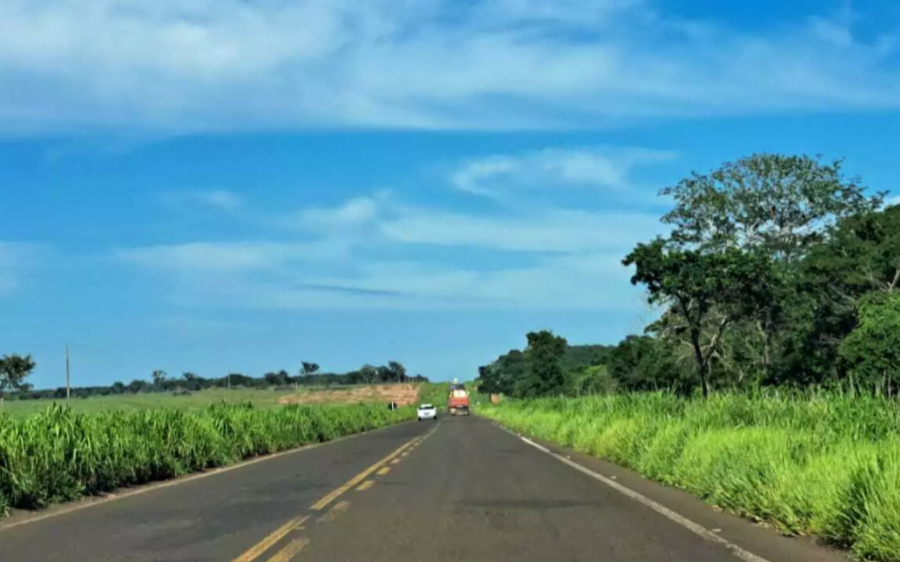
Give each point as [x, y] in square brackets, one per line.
[458, 401]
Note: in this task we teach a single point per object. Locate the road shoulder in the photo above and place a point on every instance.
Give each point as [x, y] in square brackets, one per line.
[757, 538]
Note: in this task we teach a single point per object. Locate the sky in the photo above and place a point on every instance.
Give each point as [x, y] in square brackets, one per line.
[242, 185]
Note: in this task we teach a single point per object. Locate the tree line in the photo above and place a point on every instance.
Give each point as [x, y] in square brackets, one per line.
[777, 270]
[15, 369]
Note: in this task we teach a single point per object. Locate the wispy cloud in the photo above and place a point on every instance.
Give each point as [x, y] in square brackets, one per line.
[208, 65]
[549, 230]
[594, 168]
[218, 199]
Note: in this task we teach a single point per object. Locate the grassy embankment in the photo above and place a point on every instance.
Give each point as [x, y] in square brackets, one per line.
[821, 464]
[60, 455]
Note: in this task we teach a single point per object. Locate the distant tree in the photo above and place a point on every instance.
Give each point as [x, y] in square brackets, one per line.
[383, 374]
[368, 374]
[14, 370]
[543, 360]
[159, 377]
[310, 368]
[118, 387]
[398, 371]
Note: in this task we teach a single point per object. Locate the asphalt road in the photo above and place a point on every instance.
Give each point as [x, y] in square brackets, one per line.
[457, 490]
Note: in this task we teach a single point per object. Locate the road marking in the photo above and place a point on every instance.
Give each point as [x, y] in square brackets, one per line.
[271, 539]
[332, 514]
[292, 549]
[535, 445]
[696, 528]
[365, 485]
[384, 471]
[356, 480]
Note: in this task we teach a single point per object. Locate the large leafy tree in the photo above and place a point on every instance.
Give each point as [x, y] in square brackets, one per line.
[781, 205]
[14, 372]
[704, 289]
[544, 373]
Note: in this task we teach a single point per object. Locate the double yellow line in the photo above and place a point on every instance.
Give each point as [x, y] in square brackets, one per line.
[298, 522]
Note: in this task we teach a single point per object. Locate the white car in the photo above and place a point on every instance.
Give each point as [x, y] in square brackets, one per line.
[427, 412]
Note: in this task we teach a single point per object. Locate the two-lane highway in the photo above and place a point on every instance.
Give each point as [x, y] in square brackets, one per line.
[460, 490]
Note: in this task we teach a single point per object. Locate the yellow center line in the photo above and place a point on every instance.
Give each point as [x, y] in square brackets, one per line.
[332, 514]
[271, 539]
[292, 549]
[297, 545]
[365, 485]
[356, 480]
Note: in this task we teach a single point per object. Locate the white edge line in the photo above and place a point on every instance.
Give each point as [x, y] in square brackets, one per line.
[659, 508]
[537, 446]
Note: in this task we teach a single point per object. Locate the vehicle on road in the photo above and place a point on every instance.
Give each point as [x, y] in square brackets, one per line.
[427, 412]
[458, 401]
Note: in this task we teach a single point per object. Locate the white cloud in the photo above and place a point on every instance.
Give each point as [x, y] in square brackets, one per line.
[206, 65]
[551, 230]
[355, 213]
[599, 168]
[223, 199]
[895, 200]
[211, 258]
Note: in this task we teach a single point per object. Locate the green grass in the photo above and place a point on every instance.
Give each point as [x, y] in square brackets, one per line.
[59, 454]
[152, 400]
[822, 464]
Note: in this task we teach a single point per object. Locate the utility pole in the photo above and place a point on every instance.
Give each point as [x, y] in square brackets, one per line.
[68, 378]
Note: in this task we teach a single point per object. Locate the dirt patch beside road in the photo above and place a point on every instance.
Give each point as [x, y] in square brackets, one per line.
[402, 394]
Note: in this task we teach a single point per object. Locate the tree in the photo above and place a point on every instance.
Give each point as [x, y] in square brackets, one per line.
[310, 368]
[871, 352]
[159, 377]
[781, 204]
[398, 371]
[14, 370]
[368, 373]
[702, 288]
[778, 204]
[544, 372]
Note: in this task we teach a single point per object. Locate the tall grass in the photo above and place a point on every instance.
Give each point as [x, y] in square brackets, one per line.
[820, 463]
[60, 455]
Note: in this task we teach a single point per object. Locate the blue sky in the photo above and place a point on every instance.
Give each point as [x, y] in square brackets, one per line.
[244, 185]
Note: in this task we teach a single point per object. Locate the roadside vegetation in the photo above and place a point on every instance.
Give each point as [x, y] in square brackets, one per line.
[60, 455]
[767, 380]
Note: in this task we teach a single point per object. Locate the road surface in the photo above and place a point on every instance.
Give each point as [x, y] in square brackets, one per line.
[457, 490]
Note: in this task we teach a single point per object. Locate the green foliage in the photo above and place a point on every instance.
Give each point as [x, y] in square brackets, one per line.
[14, 370]
[781, 204]
[871, 352]
[822, 463]
[60, 455]
[702, 288]
[544, 373]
